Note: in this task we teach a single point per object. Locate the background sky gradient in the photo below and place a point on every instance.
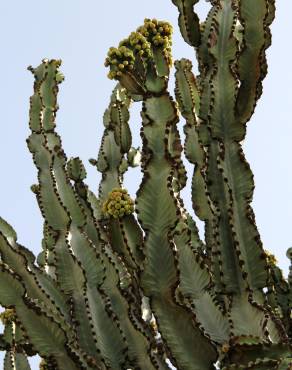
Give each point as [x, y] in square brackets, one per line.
[80, 33]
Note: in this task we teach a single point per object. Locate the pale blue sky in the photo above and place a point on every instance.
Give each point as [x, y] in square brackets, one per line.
[80, 32]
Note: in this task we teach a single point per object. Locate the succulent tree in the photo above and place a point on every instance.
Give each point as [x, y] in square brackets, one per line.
[126, 283]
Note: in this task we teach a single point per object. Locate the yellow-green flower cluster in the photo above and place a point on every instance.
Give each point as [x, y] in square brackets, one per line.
[118, 204]
[120, 60]
[153, 34]
[43, 364]
[225, 347]
[271, 259]
[7, 316]
[158, 33]
[138, 44]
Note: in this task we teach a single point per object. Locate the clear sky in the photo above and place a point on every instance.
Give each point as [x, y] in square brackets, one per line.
[80, 32]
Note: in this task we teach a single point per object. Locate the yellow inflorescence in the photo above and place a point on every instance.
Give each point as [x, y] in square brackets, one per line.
[118, 204]
[43, 364]
[225, 347]
[158, 33]
[138, 43]
[120, 59]
[271, 259]
[153, 34]
[7, 316]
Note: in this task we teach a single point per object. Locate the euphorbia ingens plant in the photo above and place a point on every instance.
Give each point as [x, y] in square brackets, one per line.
[126, 283]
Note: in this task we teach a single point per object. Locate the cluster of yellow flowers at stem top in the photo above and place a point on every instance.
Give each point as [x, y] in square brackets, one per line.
[138, 44]
[121, 60]
[158, 33]
[153, 34]
[43, 365]
[118, 204]
[7, 316]
[271, 259]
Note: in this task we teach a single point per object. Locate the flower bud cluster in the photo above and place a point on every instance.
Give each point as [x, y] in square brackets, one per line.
[158, 33]
[7, 316]
[118, 204]
[225, 347]
[121, 60]
[271, 259]
[153, 34]
[43, 364]
[138, 43]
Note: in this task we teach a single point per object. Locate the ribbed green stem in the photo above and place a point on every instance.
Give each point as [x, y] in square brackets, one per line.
[188, 21]
[78, 244]
[156, 207]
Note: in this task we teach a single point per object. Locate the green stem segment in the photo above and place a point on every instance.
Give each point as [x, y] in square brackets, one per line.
[156, 207]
